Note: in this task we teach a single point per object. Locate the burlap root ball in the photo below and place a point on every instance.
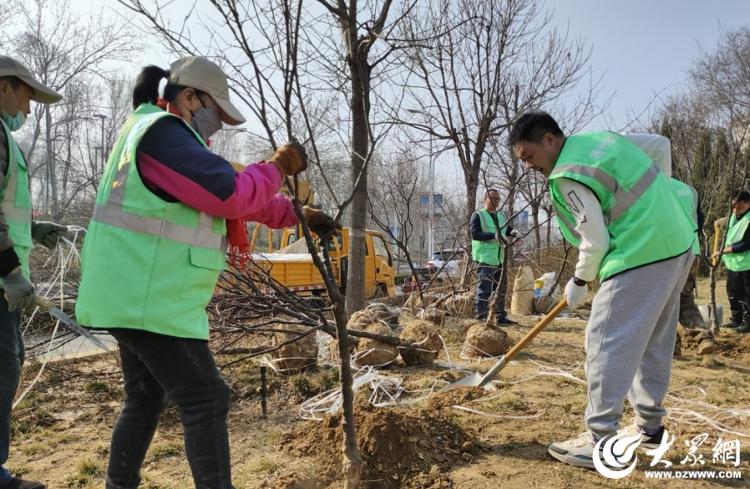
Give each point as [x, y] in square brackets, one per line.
[297, 356]
[425, 335]
[482, 341]
[373, 352]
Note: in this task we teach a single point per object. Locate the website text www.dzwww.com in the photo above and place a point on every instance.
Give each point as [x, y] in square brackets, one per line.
[693, 474]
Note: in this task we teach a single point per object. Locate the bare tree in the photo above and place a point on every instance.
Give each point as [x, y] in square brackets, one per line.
[486, 62]
[60, 48]
[392, 202]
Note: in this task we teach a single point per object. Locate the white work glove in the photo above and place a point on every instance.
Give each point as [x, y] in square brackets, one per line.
[19, 293]
[575, 294]
[500, 239]
[514, 233]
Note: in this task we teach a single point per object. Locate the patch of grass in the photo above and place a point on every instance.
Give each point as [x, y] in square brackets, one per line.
[31, 449]
[86, 471]
[305, 385]
[263, 466]
[97, 387]
[165, 450]
[300, 386]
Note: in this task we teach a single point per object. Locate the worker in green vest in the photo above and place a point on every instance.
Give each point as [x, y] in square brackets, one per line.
[632, 234]
[153, 253]
[18, 88]
[489, 231]
[736, 258]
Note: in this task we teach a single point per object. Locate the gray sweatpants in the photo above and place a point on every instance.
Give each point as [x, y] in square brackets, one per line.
[629, 343]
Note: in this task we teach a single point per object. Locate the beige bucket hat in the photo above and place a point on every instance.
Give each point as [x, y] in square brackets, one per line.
[202, 74]
[42, 93]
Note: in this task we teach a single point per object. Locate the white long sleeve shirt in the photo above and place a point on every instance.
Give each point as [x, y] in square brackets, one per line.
[588, 211]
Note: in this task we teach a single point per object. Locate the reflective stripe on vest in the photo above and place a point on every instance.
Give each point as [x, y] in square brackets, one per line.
[645, 220]
[624, 198]
[113, 214]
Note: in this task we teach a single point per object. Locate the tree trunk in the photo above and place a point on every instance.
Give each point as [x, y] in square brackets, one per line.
[472, 184]
[355, 279]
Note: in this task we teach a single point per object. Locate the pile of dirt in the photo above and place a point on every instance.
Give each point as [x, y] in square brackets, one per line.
[373, 352]
[425, 336]
[735, 344]
[695, 339]
[482, 341]
[297, 356]
[454, 397]
[399, 448]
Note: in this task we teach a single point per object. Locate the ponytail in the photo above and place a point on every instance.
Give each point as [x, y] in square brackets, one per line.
[146, 88]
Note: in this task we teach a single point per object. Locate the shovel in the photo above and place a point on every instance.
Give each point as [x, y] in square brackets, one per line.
[477, 380]
[68, 322]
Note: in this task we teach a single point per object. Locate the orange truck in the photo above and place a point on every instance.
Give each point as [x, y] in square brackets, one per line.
[292, 266]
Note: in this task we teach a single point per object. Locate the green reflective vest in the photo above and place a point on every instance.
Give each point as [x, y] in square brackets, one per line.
[645, 220]
[15, 201]
[736, 262]
[688, 198]
[489, 252]
[146, 263]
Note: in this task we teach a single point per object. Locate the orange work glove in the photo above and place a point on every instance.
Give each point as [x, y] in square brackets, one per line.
[290, 159]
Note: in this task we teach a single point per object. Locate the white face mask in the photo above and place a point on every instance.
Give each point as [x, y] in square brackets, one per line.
[206, 121]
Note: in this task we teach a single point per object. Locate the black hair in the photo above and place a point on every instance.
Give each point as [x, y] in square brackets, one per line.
[15, 82]
[532, 126]
[146, 89]
[489, 190]
[741, 195]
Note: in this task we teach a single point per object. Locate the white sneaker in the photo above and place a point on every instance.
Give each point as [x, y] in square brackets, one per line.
[577, 451]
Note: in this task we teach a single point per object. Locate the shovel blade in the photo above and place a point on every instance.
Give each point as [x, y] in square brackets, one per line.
[472, 380]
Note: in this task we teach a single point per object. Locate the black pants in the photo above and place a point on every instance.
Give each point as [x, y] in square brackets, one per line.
[11, 360]
[488, 277]
[158, 368]
[738, 290]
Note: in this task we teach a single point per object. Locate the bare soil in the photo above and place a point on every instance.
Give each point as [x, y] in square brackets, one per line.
[61, 430]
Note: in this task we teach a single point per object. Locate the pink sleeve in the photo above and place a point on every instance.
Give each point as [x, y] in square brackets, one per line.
[254, 191]
[278, 214]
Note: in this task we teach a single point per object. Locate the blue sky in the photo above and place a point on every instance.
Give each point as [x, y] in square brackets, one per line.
[644, 48]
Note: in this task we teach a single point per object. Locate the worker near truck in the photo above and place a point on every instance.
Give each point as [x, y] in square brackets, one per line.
[632, 233]
[153, 253]
[490, 232]
[736, 258]
[18, 88]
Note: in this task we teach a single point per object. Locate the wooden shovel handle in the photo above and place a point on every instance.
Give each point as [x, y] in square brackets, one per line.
[536, 329]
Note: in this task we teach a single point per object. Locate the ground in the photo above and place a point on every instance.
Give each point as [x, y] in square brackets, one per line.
[61, 430]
